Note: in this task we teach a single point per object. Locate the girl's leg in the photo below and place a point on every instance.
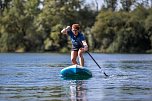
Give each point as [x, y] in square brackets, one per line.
[81, 59]
[74, 55]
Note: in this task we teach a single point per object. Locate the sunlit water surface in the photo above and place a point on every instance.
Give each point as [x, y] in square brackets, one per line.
[36, 77]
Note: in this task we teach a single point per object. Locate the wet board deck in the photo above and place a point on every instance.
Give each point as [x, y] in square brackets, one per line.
[75, 72]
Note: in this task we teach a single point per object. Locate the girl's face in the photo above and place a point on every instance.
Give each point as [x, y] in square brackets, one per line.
[75, 31]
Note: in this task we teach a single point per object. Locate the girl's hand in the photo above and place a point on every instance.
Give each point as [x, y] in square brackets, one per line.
[64, 31]
[84, 49]
[68, 28]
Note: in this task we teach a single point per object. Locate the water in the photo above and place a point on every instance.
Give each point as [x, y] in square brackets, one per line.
[35, 77]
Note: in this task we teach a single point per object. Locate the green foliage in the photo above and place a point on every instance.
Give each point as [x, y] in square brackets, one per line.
[17, 29]
[35, 25]
[123, 32]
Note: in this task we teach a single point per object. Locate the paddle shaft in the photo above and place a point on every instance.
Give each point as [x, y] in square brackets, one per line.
[93, 59]
[96, 62]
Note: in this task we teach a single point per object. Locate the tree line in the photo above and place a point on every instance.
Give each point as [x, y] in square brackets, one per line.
[120, 26]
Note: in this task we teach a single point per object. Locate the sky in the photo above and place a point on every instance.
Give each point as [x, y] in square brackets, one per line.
[100, 2]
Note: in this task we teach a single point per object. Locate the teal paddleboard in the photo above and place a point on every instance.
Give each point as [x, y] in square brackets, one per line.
[76, 72]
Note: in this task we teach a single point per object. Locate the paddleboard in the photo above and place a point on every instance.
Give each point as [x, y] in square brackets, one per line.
[76, 72]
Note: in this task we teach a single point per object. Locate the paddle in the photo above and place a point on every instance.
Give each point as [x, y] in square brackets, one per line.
[93, 59]
[96, 63]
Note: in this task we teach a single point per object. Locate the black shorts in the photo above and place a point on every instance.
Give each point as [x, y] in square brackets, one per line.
[76, 48]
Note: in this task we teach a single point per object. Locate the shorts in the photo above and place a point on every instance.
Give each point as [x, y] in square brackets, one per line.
[76, 48]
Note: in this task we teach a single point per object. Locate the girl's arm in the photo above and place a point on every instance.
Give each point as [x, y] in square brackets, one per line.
[64, 31]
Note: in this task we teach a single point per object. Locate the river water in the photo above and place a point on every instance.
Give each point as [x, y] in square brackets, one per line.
[36, 77]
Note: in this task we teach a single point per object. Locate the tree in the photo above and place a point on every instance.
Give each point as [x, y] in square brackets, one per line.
[18, 30]
[148, 27]
[4, 4]
[123, 31]
[126, 4]
[111, 4]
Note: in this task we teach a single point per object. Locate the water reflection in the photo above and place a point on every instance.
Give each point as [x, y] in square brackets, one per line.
[33, 93]
[77, 90]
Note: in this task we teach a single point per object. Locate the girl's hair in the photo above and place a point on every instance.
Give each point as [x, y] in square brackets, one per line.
[76, 26]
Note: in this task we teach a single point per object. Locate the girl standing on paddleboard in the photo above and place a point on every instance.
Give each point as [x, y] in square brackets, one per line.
[79, 44]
